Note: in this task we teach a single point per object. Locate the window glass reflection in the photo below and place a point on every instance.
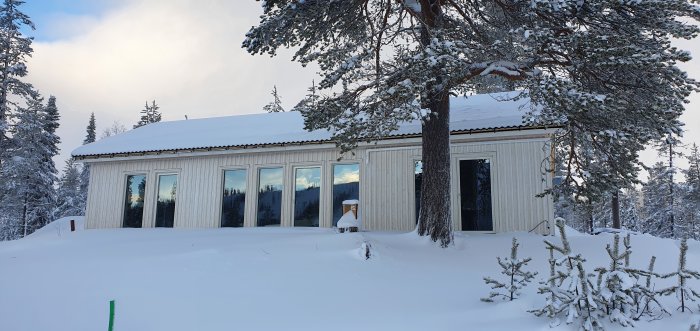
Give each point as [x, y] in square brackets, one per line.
[346, 186]
[165, 208]
[307, 196]
[133, 204]
[270, 197]
[233, 202]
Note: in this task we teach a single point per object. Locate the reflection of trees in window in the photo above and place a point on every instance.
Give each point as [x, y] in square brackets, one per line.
[165, 204]
[133, 203]
[307, 196]
[346, 186]
[270, 197]
[233, 204]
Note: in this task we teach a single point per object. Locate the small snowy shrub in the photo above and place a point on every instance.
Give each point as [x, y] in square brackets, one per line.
[617, 284]
[646, 299]
[569, 292]
[682, 290]
[517, 278]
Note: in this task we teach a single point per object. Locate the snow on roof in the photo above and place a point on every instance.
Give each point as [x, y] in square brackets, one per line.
[478, 112]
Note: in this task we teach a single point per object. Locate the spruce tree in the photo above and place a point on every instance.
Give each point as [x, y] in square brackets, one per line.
[15, 48]
[275, 106]
[691, 198]
[149, 114]
[90, 137]
[658, 204]
[387, 62]
[69, 196]
[90, 131]
[28, 177]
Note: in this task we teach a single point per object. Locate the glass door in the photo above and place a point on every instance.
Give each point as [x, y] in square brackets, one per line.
[475, 195]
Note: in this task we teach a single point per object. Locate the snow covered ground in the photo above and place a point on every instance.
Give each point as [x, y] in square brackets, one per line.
[283, 279]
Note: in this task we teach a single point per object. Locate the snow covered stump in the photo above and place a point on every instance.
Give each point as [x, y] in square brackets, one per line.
[350, 220]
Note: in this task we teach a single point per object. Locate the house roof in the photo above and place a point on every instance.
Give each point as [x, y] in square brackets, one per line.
[482, 112]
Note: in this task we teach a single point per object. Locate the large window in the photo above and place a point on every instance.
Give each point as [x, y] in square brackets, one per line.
[417, 185]
[346, 186]
[233, 203]
[475, 198]
[165, 208]
[133, 204]
[270, 197]
[307, 196]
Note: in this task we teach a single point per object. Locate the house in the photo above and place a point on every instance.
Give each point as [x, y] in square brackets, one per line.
[266, 170]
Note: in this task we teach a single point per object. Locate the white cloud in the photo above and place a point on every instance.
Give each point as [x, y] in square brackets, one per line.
[184, 54]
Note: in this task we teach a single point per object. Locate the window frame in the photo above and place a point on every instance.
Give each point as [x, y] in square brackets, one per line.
[331, 185]
[125, 180]
[284, 197]
[456, 197]
[321, 194]
[413, 187]
[246, 206]
[157, 175]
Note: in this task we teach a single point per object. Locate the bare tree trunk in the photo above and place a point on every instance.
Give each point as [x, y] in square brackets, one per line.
[616, 209]
[435, 217]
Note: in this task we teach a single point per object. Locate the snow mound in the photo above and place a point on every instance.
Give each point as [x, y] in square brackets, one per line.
[59, 227]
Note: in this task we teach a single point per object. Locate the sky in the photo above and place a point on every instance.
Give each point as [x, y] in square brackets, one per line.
[110, 57]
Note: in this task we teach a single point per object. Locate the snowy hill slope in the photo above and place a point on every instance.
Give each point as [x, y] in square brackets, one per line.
[283, 279]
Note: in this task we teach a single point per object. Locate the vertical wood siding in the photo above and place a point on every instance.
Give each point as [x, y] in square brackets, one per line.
[386, 184]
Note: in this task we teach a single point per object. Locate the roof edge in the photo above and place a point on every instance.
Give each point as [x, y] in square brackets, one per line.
[297, 143]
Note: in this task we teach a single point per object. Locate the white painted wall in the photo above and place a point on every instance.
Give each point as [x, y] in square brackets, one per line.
[386, 181]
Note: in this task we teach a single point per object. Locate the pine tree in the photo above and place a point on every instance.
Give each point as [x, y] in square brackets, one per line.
[658, 204]
[70, 200]
[15, 48]
[616, 286]
[275, 106]
[387, 62]
[28, 177]
[682, 290]
[149, 114]
[512, 269]
[569, 292]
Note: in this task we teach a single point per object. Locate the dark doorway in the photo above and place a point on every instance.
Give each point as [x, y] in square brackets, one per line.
[475, 190]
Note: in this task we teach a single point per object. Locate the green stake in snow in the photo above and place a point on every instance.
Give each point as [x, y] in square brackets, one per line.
[111, 315]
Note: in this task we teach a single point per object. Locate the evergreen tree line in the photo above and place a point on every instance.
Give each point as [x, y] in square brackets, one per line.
[28, 140]
[31, 192]
[666, 205]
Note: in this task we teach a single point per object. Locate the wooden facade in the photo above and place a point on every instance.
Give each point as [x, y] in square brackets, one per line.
[518, 159]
